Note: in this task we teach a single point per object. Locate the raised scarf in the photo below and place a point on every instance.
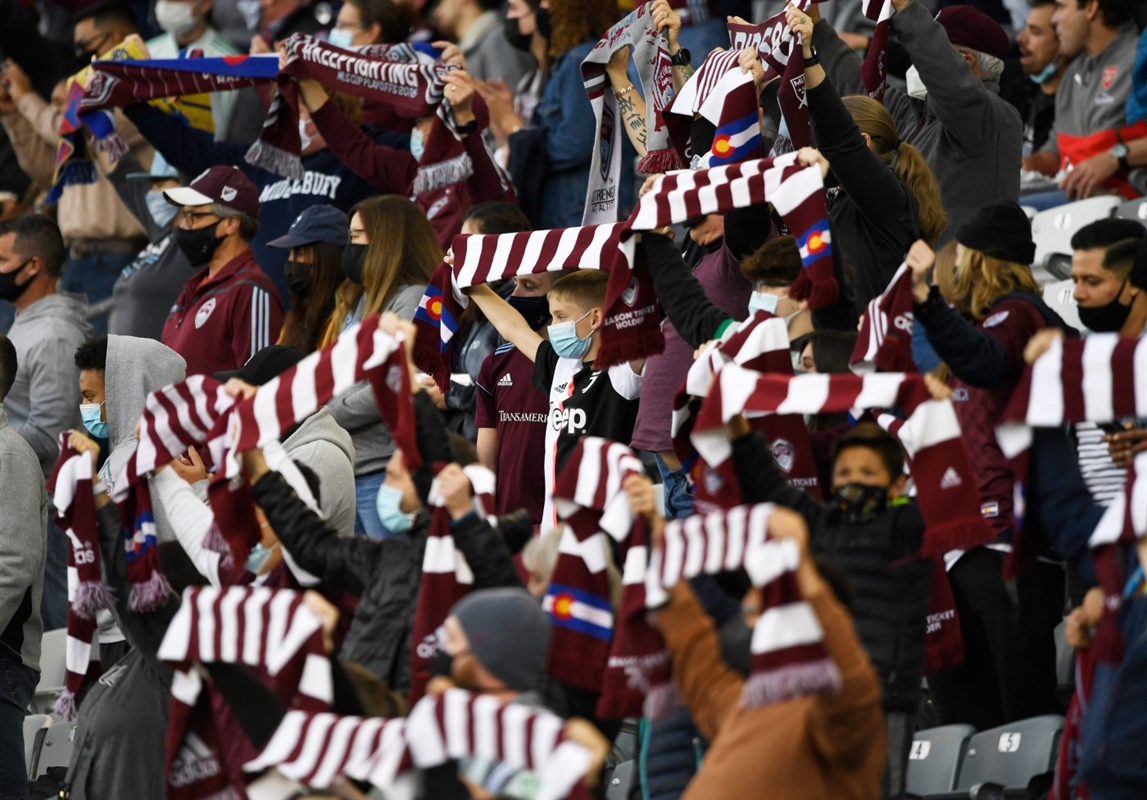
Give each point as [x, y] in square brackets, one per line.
[651, 59]
[788, 654]
[946, 490]
[885, 340]
[727, 97]
[874, 69]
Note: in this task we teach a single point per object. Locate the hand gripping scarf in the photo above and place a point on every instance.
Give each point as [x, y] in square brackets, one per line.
[71, 490]
[651, 58]
[760, 343]
[946, 491]
[446, 577]
[885, 340]
[788, 654]
[1100, 378]
[727, 97]
[631, 671]
[317, 749]
[268, 629]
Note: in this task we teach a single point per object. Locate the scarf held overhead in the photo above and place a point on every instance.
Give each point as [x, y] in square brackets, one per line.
[885, 340]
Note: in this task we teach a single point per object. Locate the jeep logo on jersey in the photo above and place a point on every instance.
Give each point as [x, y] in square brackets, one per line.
[204, 313]
[573, 419]
[228, 194]
[783, 453]
[629, 296]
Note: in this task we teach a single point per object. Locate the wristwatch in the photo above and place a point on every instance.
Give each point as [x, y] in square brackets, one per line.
[813, 60]
[681, 58]
[1120, 153]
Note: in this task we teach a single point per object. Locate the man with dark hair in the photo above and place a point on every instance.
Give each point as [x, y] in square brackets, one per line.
[23, 536]
[1110, 283]
[1042, 61]
[1090, 103]
[100, 27]
[229, 309]
[477, 27]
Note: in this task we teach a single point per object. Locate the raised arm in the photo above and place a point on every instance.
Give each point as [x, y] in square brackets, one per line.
[507, 321]
[191, 519]
[760, 479]
[696, 318]
[189, 150]
[630, 103]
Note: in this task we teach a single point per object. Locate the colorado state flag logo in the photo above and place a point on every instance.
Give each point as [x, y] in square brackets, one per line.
[736, 141]
[815, 243]
[579, 611]
[432, 311]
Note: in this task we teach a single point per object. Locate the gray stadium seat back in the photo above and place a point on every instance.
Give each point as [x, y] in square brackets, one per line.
[1052, 229]
[934, 760]
[621, 781]
[35, 727]
[1064, 656]
[1012, 754]
[53, 671]
[59, 742]
[1133, 209]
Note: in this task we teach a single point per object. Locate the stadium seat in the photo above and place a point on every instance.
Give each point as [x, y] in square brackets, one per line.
[1052, 229]
[1133, 209]
[620, 781]
[934, 760]
[625, 743]
[35, 727]
[1064, 657]
[59, 742]
[1012, 754]
[1059, 297]
[53, 672]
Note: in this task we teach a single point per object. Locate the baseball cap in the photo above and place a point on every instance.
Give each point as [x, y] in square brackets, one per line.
[316, 224]
[159, 169]
[264, 366]
[221, 184]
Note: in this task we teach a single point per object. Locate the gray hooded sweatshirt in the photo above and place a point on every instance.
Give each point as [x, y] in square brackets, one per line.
[321, 444]
[45, 399]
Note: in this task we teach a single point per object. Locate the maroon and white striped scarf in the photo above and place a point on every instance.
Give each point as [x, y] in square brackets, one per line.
[393, 72]
[788, 654]
[71, 490]
[874, 70]
[651, 58]
[1100, 378]
[946, 489]
[885, 340]
[268, 629]
[726, 97]
[633, 669]
[760, 343]
[318, 749]
[197, 411]
[446, 577]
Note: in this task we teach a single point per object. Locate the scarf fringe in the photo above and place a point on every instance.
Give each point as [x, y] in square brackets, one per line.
[657, 161]
[92, 596]
[75, 173]
[214, 540]
[945, 656]
[66, 706]
[662, 701]
[114, 145]
[779, 685]
[273, 159]
[960, 534]
[150, 594]
[445, 173]
[823, 293]
[620, 346]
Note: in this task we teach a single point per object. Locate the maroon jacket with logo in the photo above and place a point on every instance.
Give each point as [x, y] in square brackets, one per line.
[217, 324]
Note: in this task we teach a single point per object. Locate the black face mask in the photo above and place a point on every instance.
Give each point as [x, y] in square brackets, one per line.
[441, 664]
[1109, 318]
[542, 15]
[860, 502]
[298, 276]
[9, 289]
[198, 245]
[514, 36]
[535, 310]
[353, 257]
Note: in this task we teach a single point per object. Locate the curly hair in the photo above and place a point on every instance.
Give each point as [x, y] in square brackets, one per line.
[576, 21]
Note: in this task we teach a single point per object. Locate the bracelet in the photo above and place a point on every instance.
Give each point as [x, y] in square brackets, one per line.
[622, 92]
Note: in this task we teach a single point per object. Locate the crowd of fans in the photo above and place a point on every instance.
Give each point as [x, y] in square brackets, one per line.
[161, 273]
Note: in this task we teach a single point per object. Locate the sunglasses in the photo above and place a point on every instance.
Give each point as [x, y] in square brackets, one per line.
[83, 48]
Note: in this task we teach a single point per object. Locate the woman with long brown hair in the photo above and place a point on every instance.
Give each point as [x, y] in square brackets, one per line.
[313, 273]
[389, 260]
[888, 196]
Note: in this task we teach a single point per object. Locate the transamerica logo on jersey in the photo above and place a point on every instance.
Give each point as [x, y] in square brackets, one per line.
[204, 313]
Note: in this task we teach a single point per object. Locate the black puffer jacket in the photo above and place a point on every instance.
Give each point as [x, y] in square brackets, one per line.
[386, 574]
[890, 583]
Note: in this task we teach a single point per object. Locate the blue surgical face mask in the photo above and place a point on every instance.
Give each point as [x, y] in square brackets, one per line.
[565, 340]
[417, 145]
[90, 414]
[390, 512]
[341, 37]
[161, 211]
[1045, 74]
[759, 301]
[259, 557]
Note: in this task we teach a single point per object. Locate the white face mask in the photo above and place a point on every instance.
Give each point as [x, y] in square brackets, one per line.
[177, 18]
[762, 301]
[305, 139]
[341, 37]
[916, 87]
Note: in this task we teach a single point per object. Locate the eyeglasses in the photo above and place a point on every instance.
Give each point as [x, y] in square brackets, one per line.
[83, 47]
[186, 219]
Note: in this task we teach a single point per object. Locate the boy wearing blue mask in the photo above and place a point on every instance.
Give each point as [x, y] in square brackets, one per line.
[584, 401]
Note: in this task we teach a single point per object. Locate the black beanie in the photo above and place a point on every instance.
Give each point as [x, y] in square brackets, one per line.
[1001, 230]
